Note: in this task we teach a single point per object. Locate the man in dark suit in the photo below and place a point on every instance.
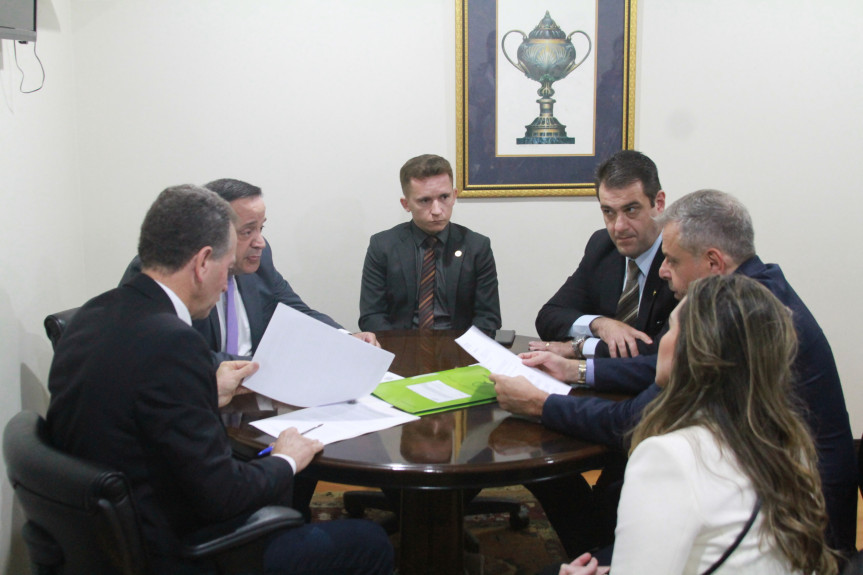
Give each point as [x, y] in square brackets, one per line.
[461, 286]
[133, 387]
[710, 232]
[590, 310]
[257, 286]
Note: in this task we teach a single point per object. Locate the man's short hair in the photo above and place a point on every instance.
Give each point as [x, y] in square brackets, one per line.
[627, 167]
[421, 168]
[183, 220]
[230, 190]
[712, 219]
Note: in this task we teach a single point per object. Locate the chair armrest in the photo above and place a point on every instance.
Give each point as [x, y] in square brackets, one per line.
[55, 324]
[262, 522]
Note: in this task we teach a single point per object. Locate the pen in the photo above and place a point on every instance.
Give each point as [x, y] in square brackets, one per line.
[268, 450]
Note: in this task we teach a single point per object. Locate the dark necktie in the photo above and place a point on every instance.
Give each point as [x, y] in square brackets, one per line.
[627, 305]
[231, 330]
[427, 282]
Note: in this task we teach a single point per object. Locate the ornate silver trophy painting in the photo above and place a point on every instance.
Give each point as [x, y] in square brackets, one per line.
[546, 56]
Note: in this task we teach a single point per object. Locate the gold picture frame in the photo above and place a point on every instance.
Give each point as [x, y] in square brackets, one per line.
[490, 162]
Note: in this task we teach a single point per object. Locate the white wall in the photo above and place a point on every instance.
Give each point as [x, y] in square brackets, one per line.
[321, 102]
[42, 227]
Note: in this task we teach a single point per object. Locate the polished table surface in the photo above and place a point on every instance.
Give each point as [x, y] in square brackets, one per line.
[434, 458]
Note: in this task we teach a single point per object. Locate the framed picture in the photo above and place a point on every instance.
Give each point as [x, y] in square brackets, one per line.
[545, 92]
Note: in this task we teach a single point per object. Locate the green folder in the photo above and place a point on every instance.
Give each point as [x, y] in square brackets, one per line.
[433, 392]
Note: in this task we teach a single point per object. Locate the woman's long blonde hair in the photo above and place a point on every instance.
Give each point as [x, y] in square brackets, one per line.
[732, 374]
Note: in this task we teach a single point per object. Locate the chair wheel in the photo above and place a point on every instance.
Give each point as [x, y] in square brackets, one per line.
[519, 520]
[354, 509]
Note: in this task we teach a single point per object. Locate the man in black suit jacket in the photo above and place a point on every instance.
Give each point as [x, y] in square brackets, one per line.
[585, 309]
[260, 287]
[465, 279]
[133, 387]
[710, 232]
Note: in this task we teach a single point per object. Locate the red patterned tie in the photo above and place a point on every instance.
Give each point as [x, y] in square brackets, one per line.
[427, 282]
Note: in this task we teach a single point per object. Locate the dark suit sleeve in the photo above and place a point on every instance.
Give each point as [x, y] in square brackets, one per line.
[373, 292]
[177, 411]
[596, 419]
[624, 374]
[578, 296]
[486, 306]
[276, 289]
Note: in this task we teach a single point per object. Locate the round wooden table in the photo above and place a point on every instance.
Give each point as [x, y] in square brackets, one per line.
[432, 460]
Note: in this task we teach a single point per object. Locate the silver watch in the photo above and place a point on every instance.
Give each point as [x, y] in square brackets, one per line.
[577, 344]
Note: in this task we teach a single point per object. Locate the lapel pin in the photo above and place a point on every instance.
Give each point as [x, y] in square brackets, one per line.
[458, 253]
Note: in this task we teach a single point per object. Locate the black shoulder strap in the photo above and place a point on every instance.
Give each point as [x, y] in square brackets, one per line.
[737, 541]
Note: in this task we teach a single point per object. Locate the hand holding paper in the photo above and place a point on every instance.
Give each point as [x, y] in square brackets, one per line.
[498, 359]
[518, 395]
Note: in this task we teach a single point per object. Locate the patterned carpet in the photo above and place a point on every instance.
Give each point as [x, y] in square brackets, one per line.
[503, 551]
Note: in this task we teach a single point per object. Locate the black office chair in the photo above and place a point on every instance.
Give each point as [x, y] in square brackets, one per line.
[55, 324]
[81, 518]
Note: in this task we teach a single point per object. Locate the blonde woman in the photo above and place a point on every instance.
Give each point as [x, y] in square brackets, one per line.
[722, 473]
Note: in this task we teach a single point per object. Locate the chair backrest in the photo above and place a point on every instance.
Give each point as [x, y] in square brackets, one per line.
[80, 515]
[55, 324]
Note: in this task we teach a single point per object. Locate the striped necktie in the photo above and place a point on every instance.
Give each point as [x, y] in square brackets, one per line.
[627, 305]
[427, 283]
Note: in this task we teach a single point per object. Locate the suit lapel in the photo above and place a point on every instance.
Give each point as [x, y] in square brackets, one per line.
[406, 252]
[209, 328]
[246, 283]
[452, 264]
[652, 285]
[614, 279]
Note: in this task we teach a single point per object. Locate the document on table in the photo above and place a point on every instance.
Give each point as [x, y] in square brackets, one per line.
[439, 391]
[306, 363]
[338, 421]
[497, 359]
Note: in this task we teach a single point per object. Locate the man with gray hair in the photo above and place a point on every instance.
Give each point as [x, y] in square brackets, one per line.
[133, 386]
[710, 232]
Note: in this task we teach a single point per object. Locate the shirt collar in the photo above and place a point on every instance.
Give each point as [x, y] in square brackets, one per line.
[645, 260]
[179, 306]
[420, 236]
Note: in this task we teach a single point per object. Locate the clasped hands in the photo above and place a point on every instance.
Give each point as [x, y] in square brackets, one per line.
[621, 339]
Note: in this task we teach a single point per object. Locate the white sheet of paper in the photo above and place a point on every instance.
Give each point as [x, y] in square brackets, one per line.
[437, 391]
[305, 362]
[340, 420]
[497, 359]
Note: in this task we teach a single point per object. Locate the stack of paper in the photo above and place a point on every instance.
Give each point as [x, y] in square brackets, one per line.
[307, 363]
[338, 421]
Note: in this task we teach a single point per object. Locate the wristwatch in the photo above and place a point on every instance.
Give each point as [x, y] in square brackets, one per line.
[577, 345]
[582, 371]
